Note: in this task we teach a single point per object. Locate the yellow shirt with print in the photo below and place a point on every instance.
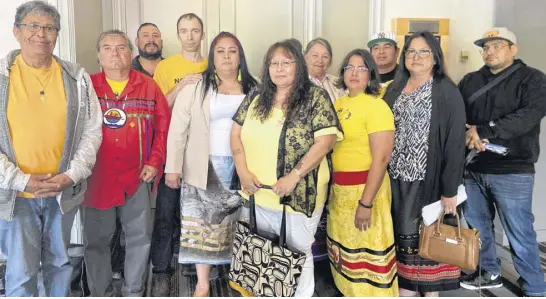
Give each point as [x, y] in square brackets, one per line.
[359, 116]
[37, 123]
[117, 86]
[261, 143]
[171, 70]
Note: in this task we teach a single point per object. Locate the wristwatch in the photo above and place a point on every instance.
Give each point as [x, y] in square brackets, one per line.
[364, 205]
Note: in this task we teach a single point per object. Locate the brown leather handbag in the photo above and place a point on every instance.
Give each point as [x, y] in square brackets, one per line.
[450, 245]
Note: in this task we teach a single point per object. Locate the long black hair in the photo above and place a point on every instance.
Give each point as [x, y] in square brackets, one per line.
[374, 85]
[438, 70]
[209, 75]
[300, 88]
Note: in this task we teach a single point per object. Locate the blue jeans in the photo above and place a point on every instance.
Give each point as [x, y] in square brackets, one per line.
[224, 168]
[38, 233]
[511, 195]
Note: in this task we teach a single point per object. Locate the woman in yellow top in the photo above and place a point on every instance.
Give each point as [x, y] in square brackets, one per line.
[361, 249]
[282, 133]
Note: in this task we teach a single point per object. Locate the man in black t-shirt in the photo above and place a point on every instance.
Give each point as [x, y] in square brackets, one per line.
[150, 48]
[385, 52]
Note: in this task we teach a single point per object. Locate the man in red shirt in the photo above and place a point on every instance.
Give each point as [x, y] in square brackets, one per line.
[135, 124]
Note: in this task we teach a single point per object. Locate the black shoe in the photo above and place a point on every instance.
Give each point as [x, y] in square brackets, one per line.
[117, 275]
[161, 285]
[485, 281]
[468, 276]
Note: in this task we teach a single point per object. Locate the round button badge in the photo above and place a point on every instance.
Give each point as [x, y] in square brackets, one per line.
[114, 118]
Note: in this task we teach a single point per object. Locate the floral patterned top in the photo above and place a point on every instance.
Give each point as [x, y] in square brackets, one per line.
[296, 139]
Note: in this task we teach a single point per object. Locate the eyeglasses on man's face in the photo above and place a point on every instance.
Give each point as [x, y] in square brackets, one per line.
[495, 47]
[35, 27]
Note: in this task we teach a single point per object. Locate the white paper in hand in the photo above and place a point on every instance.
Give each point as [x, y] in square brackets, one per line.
[432, 212]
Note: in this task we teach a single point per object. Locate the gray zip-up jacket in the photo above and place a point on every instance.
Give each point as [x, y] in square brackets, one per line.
[82, 141]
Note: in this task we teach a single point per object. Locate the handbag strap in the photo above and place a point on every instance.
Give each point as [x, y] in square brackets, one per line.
[282, 235]
[441, 220]
[491, 84]
[253, 224]
[252, 220]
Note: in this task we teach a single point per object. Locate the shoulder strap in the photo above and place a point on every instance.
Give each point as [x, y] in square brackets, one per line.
[491, 84]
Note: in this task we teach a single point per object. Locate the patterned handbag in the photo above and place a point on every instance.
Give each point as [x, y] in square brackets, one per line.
[262, 267]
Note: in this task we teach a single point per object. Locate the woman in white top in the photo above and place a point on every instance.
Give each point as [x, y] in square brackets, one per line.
[198, 143]
[318, 58]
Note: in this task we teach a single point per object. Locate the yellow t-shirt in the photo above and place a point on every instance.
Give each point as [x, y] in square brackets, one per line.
[261, 144]
[37, 126]
[117, 86]
[359, 116]
[171, 70]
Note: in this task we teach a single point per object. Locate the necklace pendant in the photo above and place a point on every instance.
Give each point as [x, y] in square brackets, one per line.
[42, 95]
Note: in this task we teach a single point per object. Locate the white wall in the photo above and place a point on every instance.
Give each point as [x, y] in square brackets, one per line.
[469, 19]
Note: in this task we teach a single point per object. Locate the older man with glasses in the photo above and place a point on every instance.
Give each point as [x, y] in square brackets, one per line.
[50, 133]
[505, 103]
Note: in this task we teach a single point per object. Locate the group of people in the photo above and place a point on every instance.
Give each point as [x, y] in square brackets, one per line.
[363, 153]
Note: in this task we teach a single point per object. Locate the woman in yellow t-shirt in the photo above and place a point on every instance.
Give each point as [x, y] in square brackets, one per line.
[360, 230]
[282, 136]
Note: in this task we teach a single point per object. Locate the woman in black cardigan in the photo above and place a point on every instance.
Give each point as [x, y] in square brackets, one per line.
[428, 158]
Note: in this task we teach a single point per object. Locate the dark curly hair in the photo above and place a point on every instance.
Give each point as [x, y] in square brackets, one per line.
[267, 90]
[373, 85]
[209, 75]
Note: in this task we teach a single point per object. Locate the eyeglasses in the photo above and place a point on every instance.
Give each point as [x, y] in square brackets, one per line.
[423, 53]
[37, 27]
[361, 69]
[284, 64]
[495, 47]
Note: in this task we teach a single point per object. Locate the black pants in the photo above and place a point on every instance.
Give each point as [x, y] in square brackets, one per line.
[166, 235]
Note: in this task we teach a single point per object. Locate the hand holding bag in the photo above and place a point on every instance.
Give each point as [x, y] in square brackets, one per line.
[260, 266]
[450, 245]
